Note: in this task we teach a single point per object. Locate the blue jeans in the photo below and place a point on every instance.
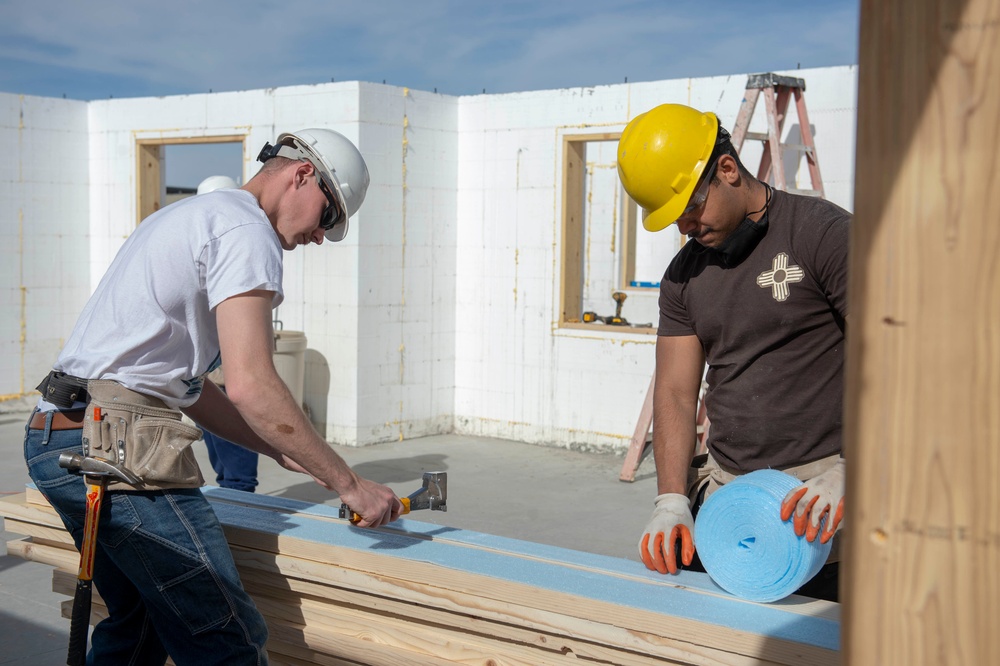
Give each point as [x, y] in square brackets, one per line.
[163, 568]
[235, 467]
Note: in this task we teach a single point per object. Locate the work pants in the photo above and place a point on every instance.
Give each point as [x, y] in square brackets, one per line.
[163, 568]
[235, 467]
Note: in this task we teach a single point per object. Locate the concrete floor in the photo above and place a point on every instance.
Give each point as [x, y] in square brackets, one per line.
[535, 493]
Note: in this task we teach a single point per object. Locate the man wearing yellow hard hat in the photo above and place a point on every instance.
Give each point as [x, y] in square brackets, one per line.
[761, 296]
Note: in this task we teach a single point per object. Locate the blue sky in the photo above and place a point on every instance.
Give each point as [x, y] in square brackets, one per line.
[95, 49]
[136, 48]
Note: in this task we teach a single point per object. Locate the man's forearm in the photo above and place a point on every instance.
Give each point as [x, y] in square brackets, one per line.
[246, 343]
[268, 407]
[679, 364]
[673, 442]
[217, 414]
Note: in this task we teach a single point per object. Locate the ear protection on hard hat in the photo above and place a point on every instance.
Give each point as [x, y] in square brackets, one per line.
[661, 155]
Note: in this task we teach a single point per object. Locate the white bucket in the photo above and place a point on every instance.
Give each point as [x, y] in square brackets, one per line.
[290, 361]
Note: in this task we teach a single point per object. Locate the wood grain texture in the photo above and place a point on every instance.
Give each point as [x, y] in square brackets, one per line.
[285, 588]
[922, 426]
[443, 595]
[571, 277]
[63, 559]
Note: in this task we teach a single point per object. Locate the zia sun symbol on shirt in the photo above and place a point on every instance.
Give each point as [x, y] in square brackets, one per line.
[780, 276]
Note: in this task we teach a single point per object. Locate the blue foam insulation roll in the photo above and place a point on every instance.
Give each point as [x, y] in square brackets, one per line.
[744, 545]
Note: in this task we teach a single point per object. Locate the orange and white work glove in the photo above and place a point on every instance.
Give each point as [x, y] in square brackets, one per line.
[820, 496]
[671, 521]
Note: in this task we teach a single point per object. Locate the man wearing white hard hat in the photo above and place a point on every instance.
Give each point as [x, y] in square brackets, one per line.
[194, 283]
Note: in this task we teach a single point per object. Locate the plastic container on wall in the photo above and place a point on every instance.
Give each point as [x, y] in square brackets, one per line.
[290, 361]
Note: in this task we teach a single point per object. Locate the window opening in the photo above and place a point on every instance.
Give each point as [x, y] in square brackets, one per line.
[605, 247]
[171, 169]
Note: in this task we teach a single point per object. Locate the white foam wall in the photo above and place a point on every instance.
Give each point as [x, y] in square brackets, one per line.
[378, 308]
[439, 311]
[518, 375]
[44, 235]
[406, 309]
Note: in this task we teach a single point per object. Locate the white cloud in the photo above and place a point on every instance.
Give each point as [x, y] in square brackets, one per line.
[142, 47]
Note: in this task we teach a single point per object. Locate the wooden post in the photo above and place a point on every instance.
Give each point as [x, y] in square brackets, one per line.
[149, 181]
[922, 558]
[574, 168]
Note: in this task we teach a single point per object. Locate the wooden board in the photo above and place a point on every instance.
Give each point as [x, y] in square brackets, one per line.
[922, 426]
[436, 593]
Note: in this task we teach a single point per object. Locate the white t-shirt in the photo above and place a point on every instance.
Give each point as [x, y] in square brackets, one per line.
[151, 323]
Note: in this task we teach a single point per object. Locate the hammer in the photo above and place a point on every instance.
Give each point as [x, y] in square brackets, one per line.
[433, 495]
[97, 472]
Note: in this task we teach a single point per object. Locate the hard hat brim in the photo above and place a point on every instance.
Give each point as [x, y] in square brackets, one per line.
[338, 231]
[662, 217]
[667, 214]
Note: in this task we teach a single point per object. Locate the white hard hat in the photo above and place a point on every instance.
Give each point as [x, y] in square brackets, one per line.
[213, 183]
[338, 162]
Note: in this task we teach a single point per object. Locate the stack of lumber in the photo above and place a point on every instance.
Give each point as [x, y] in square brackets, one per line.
[415, 593]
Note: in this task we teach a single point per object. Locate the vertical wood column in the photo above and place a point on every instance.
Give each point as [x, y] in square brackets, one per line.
[922, 559]
[574, 169]
[150, 179]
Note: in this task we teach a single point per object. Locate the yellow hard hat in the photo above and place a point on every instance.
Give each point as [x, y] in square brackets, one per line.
[661, 155]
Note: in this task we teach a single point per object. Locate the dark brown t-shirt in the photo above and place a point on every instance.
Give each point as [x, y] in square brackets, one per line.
[772, 327]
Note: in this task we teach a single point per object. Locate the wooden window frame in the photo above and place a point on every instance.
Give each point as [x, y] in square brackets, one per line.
[574, 173]
[149, 158]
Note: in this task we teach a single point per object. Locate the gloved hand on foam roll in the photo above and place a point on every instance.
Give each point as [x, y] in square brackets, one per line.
[820, 496]
[671, 521]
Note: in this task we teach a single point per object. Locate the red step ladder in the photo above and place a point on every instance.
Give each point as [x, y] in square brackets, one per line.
[778, 91]
[641, 437]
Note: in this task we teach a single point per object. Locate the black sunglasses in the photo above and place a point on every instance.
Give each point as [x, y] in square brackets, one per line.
[332, 212]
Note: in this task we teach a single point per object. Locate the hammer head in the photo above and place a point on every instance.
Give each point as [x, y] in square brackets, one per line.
[433, 494]
[97, 467]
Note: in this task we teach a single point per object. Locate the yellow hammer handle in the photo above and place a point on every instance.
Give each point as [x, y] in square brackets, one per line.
[356, 517]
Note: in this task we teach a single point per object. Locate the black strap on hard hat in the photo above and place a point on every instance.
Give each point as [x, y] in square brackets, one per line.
[723, 146]
[290, 149]
[267, 152]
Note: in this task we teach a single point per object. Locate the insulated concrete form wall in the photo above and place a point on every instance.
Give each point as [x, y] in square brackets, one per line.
[44, 233]
[518, 374]
[377, 309]
[116, 126]
[440, 311]
[407, 274]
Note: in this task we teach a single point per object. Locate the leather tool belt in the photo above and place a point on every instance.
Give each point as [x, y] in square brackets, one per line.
[60, 420]
[142, 434]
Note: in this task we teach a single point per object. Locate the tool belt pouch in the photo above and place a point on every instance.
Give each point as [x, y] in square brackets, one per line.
[142, 434]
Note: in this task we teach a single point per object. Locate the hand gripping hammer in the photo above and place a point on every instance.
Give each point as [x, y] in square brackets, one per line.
[97, 472]
[433, 495]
